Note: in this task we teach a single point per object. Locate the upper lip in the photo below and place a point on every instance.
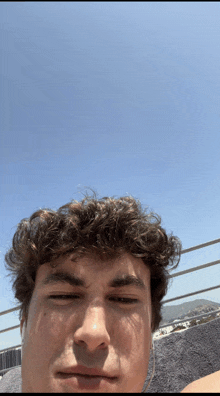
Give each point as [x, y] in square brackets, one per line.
[86, 371]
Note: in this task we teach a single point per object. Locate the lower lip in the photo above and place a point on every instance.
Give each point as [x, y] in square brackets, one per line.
[85, 381]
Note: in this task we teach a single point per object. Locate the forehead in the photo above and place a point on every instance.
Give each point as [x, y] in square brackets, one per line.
[92, 268]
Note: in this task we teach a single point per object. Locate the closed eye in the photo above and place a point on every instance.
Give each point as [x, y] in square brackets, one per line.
[124, 300]
[64, 296]
[120, 300]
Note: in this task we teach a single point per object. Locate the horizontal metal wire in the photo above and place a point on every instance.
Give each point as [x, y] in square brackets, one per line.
[200, 246]
[8, 349]
[10, 310]
[9, 328]
[194, 268]
[8, 369]
[188, 319]
[190, 294]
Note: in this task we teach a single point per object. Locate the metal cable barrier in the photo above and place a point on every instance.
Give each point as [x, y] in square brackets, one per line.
[163, 302]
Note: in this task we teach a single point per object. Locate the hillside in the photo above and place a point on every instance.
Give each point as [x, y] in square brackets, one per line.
[187, 309]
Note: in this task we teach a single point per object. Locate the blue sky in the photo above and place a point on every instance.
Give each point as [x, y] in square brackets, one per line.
[122, 97]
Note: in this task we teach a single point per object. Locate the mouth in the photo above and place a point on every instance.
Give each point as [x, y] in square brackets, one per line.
[86, 381]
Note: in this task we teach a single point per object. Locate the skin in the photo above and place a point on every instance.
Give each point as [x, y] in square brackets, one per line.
[93, 328]
[207, 384]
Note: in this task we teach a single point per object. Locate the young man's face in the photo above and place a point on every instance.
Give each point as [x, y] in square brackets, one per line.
[88, 327]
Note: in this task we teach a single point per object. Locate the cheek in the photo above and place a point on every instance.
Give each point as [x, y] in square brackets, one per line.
[47, 329]
[135, 336]
[134, 351]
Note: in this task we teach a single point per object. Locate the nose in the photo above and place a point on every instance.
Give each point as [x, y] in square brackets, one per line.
[93, 333]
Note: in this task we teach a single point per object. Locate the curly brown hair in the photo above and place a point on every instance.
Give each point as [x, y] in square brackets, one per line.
[106, 227]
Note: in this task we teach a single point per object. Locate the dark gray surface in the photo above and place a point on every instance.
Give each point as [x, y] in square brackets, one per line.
[180, 359]
[11, 381]
[183, 357]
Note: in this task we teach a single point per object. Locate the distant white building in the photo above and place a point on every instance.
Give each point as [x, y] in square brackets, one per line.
[167, 330]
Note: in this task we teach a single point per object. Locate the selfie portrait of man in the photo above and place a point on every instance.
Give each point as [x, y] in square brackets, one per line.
[90, 278]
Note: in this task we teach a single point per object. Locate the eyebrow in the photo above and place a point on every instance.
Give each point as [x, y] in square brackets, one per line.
[73, 280]
[127, 280]
[63, 277]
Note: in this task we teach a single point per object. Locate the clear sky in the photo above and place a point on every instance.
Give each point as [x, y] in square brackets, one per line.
[122, 97]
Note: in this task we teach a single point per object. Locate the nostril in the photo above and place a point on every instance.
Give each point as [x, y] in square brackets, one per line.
[80, 342]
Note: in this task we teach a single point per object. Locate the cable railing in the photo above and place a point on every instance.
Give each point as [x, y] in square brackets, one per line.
[203, 315]
[180, 273]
